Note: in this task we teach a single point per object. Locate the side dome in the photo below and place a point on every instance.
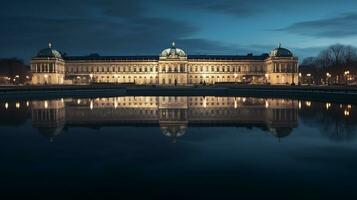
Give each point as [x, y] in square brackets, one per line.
[281, 52]
[49, 53]
[173, 52]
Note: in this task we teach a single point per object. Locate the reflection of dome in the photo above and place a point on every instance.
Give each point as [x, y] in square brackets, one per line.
[173, 130]
[281, 52]
[49, 53]
[50, 132]
[173, 52]
[281, 132]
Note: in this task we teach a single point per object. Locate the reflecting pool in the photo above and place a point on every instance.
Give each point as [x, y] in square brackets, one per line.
[157, 147]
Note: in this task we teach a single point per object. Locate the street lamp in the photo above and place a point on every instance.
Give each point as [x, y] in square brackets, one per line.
[309, 78]
[328, 75]
[346, 75]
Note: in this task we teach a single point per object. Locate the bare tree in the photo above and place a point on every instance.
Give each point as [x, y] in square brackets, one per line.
[324, 58]
[349, 55]
[336, 52]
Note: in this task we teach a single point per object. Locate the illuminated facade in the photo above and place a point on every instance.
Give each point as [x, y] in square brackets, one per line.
[173, 114]
[172, 67]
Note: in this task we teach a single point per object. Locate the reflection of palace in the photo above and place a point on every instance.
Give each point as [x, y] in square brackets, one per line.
[172, 67]
[172, 114]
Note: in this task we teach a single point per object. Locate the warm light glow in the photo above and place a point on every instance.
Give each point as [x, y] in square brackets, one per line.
[308, 103]
[6, 105]
[299, 104]
[17, 105]
[78, 101]
[244, 99]
[91, 105]
[91, 75]
[46, 104]
[235, 103]
[349, 106]
[328, 105]
[308, 75]
[266, 104]
[300, 75]
[347, 72]
[347, 113]
[45, 76]
[27, 103]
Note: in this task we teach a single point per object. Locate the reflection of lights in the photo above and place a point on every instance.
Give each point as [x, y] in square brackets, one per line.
[17, 105]
[46, 104]
[6, 105]
[347, 113]
[308, 103]
[299, 104]
[91, 105]
[328, 105]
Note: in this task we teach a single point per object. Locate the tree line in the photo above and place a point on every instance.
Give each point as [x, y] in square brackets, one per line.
[14, 68]
[334, 61]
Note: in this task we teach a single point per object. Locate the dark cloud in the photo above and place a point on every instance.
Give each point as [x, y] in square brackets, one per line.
[244, 8]
[107, 27]
[341, 26]
[241, 8]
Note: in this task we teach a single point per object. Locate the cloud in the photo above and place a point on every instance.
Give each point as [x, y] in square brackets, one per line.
[107, 27]
[244, 8]
[337, 27]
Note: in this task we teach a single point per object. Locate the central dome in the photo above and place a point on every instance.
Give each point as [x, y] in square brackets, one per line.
[281, 52]
[49, 53]
[173, 52]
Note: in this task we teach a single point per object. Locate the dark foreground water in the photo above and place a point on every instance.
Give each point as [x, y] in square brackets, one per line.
[178, 148]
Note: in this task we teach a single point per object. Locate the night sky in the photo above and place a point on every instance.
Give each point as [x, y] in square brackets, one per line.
[143, 27]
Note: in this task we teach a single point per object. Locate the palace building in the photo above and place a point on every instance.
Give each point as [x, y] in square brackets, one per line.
[172, 67]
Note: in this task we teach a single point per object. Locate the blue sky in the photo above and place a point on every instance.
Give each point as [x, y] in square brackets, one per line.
[126, 27]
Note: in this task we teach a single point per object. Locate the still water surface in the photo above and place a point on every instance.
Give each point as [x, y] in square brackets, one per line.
[178, 148]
